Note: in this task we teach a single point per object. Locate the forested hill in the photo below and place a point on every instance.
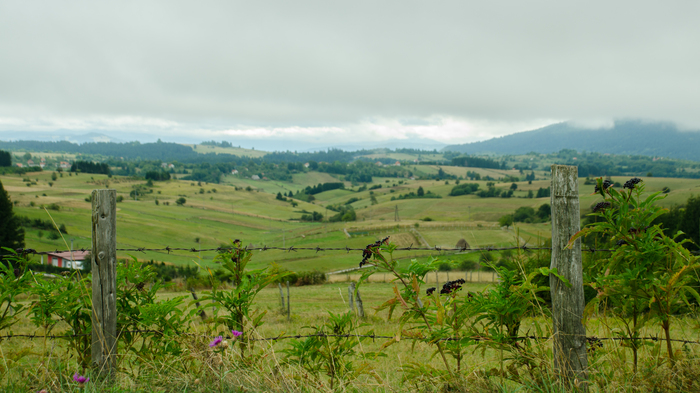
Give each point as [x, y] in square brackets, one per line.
[133, 150]
[625, 138]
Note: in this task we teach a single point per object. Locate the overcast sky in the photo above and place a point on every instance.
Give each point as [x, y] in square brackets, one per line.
[332, 71]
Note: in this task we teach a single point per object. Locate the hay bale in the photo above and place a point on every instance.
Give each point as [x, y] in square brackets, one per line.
[462, 243]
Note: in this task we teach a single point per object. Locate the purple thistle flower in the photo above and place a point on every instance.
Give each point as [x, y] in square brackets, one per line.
[236, 333]
[216, 341]
[80, 379]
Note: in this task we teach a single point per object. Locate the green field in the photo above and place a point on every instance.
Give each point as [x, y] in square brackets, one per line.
[223, 212]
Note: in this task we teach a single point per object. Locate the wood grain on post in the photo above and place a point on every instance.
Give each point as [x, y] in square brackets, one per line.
[570, 359]
[104, 281]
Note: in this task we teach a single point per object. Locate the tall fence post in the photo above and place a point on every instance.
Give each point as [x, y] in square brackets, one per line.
[569, 347]
[104, 281]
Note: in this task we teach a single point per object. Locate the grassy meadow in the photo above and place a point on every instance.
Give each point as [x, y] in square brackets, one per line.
[218, 213]
[313, 306]
[215, 214]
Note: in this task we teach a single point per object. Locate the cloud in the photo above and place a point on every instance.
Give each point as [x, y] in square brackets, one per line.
[455, 71]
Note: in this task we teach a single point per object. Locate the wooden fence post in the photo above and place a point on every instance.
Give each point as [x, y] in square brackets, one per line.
[351, 295]
[570, 359]
[360, 307]
[289, 307]
[104, 281]
[279, 285]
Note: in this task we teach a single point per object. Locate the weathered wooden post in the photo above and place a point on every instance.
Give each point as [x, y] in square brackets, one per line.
[351, 295]
[570, 359]
[104, 281]
[289, 306]
[360, 307]
[279, 285]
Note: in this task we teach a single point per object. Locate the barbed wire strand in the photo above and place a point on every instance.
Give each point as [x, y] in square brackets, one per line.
[372, 336]
[169, 249]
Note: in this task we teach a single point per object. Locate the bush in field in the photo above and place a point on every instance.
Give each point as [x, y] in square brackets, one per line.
[464, 189]
[648, 274]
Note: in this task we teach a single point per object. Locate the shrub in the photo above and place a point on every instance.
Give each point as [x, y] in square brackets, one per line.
[444, 267]
[464, 189]
[467, 264]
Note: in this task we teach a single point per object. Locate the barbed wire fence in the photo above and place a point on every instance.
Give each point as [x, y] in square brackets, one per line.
[590, 339]
[525, 248]
[316, 249]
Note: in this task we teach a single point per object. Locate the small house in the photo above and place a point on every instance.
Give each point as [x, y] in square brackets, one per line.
[255, 177]
[68, 259]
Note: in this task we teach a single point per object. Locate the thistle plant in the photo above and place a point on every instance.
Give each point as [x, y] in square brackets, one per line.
[238, 301]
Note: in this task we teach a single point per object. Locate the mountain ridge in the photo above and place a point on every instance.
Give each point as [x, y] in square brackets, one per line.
[630, 137]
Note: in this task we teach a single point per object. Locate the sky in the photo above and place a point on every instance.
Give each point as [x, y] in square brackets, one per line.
[332, 72]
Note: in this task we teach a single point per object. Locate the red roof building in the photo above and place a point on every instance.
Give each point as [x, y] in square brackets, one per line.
[70, 260]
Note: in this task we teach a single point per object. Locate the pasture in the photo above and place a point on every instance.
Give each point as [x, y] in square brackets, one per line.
[407, 356]
[218, 213]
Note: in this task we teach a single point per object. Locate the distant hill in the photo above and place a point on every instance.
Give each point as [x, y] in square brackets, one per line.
[625, 137]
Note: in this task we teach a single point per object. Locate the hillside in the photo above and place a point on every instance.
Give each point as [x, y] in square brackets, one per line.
[242, 208]
[625, 137]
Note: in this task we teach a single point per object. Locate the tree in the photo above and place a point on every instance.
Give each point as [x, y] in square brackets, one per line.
[506, 221]
[5, 158]
[11, 232]
[420, 191]
[690, 222]
[513, 186]
[181, 201]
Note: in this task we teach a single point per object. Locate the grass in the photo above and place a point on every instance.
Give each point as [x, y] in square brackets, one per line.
[311, 306]
[257, 218]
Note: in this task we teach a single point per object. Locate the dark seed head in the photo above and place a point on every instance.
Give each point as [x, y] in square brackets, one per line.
[632, 182]
[601, 206]
[606, 184]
